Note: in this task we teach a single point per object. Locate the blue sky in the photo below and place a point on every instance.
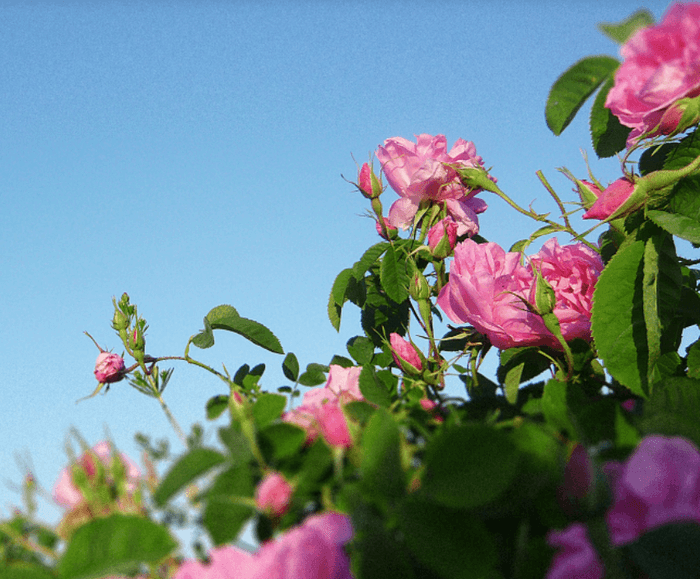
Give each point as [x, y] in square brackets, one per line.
[190, 154]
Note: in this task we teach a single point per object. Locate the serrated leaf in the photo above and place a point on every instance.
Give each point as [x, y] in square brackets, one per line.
[512, 382]
[267, 408]
[188, 468]
[369, 258]
[617, 321]
[340, 285]
[216, 406]
[679, 225]
[622, 31]
[393, 276]
[224, 514]
[114, 545]
[314, 375]
[290, 367]
[361, 349]
[226, 317]
[609, 136]
[572, 88]
[205, 339]
[372, 388]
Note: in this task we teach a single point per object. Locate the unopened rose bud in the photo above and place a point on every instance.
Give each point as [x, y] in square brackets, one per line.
[442, 238]
[545, 297]
[610, 200]
[405, 354]
[391, 231]
[109, 368]
[273, 494]
[681, 115]
[368, 183]
[419, 288]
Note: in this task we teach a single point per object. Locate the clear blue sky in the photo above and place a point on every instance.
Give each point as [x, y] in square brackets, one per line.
[190, 153]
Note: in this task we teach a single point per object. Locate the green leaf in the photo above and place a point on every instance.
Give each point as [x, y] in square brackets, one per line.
[555, 407]
[290, 367]
[617, 322]
[534, 362]
[268, 408]
[621, 32]
[512, 382]
[314, 375]
[393, 276]
[673, 409]
[572, 88]
[216, 406]
[340, 285]
[282, 440]
[188, 468]
[694, 360]
[382, 475]
[114, 545]
[454, 543]
[361, 349]
[469, 466]
[676, 224]
[372, 388]
[25, 571]
[225, 514]
[668, 552]
[369, 258]
[608, 134]
[226, 317]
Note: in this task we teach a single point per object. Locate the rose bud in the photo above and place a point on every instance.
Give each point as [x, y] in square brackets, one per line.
[390, 229]
[610, 200]
[109, 368]
[405, 354]
[273, 494]
[442, 238]
[368, 183]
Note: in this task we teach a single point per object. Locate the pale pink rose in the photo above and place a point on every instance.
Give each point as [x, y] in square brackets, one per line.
[660, 67]
[487, 287]
[405, 354]
[657, 485]
[577, 558]
[109, 368]
[273, 494]
[313, 550]
[66, 494]
[420, 171]
[610, 199]
[444, 229]
[321, 408]
[464, 213]
[572, 271]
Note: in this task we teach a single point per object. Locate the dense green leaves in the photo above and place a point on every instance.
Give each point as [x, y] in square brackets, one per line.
[189, 467]
[226, 317]
[573, 87]
[372, 388]
[460, 468]
[668, 552]
[394, 277]
[114, 545]
[227, 504]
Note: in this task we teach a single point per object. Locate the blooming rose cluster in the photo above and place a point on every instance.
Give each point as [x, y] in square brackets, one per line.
[425, 170]
[487, 287]
[321, 408]
[313, 550]
[659, 484]
[660, 67]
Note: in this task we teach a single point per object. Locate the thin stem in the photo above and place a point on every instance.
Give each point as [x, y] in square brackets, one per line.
[28, 544]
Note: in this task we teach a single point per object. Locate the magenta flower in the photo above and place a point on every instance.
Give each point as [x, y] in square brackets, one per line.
[405, 354]
[659, 484]
[609, 200]
[109, 368]
[660, 67]
[321, 409]
[487, 287]
[273, 494]
[313, 550]
[421, 171]
[68, 495]
[576, 559]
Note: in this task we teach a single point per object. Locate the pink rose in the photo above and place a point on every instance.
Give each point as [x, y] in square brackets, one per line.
[273, 494]
[389, 229]
[444, 231]
[65, 492]
[313, 550]
[321, 408]
[660, 67]
[609, 200]
[109, 368]
[405, 354]
[576, 559]
[487, 287]
[420, 171]
[657, 485]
